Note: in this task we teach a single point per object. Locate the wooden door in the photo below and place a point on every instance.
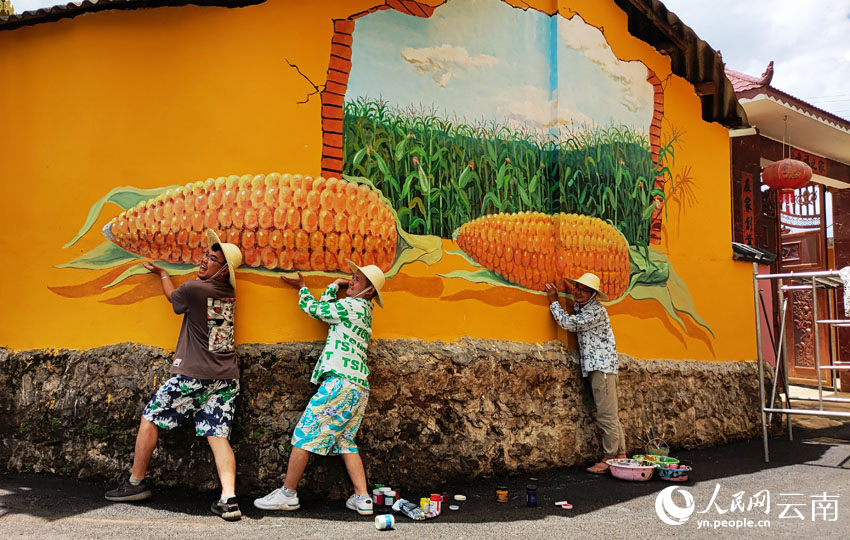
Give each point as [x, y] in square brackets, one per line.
[803, 249]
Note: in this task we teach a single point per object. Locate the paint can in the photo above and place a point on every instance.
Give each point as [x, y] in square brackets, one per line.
[389, 497]
[377, 496]
[384, 522]
[531, 495]
[436, 503]
[425, 504]
[444, 498]
[502, 494]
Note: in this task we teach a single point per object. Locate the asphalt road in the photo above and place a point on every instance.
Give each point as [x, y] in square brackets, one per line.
[800, 473]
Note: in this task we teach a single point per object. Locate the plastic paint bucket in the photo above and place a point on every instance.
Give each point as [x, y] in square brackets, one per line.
[377, 496]
[384, 522]
[436, 503]
[425, 504]
[389, 498]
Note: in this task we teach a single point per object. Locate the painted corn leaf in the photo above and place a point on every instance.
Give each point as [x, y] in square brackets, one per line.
[488, 277]
[105, 255]
[658, 293]
[137, 269]
[653, 278]
[124, 196]
[463, 255]
[682, 300]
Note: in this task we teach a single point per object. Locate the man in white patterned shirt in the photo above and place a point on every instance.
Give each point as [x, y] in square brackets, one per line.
[598, 354]
[333, 416]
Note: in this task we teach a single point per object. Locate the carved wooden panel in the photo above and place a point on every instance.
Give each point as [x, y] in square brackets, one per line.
[804, 348]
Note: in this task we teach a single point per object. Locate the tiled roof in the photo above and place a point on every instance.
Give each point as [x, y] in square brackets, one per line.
[742, 82]
[747, 86]
[72, 9]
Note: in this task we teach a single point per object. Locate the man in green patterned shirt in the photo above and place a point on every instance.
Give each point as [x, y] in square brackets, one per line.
[334, 414]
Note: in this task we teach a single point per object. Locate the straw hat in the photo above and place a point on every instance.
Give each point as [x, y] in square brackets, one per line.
[592, 281]
[375, 276]
[231, 254]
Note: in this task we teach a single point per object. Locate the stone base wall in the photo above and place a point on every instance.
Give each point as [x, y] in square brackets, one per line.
[438, 412]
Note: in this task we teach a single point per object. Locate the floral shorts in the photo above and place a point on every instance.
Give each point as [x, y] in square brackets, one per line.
[332, 417]
[209, 401]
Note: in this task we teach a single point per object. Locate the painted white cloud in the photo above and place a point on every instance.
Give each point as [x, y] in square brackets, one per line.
[446, 61]
[535, 108]
[588, 40]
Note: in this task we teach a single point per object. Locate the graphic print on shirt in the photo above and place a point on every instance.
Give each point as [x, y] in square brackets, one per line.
[220, 323]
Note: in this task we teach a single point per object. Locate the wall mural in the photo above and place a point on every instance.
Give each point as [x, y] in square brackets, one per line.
[511, 141]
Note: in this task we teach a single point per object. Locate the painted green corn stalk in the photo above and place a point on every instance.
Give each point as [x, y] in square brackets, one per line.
[439, 172]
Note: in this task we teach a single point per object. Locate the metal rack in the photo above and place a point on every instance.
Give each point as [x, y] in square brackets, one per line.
[796, 281]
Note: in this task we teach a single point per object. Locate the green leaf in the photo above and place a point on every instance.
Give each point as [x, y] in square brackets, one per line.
[382, 165]
[500, 176]
[124, 196]
[416, 222]
[660, 294]
[494, 199]
[399, 149]
[682, 301]
[489, 277]
[358, 157]
[407, 182]
[464, 201]
[465, 256]
[106, 255]
[524, 196]
[464, 177]
[424, 185]
[532, 186]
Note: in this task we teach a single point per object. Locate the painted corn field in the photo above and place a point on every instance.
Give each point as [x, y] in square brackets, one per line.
[440, 173]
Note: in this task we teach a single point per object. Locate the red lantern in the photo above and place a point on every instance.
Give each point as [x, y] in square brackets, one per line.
[787, 175]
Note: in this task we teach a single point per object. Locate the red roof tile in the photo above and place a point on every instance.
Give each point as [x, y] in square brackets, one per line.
[742, 82]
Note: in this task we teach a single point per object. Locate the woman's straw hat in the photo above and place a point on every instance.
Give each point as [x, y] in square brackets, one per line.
[592, 281]
[375, 276]
[231, 254]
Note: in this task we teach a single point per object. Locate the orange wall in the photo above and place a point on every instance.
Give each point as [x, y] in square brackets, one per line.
[166, 96]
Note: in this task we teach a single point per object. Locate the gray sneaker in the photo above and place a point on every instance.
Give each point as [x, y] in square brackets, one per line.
[229, 510]
[127, 492]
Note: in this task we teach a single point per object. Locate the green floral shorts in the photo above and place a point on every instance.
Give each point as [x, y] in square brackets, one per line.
[210, 402]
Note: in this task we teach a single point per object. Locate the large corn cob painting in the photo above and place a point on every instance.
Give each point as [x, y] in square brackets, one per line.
[280, 222]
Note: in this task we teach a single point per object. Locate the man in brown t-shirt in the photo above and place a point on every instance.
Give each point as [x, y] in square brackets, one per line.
[205, 376]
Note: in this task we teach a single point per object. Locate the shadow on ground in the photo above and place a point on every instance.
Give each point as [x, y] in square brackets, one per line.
[52, 498]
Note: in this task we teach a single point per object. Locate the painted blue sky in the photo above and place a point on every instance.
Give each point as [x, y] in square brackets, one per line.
[485, 60]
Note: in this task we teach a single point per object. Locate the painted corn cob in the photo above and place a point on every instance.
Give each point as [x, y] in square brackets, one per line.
[531, 249]
[290, 222]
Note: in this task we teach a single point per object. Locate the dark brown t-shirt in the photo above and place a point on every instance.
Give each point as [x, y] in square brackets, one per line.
[205, 346]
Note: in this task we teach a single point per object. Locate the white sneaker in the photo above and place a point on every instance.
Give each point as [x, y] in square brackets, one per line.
[277, 500]
[361, 506]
